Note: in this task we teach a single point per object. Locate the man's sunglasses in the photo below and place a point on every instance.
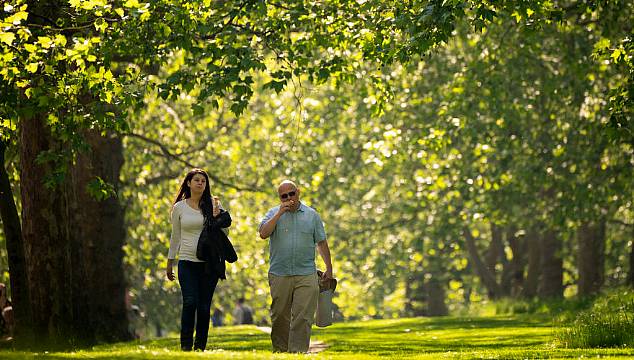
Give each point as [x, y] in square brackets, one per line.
[287, 195]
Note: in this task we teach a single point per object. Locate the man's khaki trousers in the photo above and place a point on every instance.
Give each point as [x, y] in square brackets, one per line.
[292, 311]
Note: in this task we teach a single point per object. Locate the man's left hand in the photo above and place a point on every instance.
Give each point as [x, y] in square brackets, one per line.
[326, 275]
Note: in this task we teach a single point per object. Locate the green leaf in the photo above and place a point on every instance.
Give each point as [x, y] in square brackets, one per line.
[101, 25]
[615, 55]
[132, 4]
[100, 190]
[32, 67]
[7, 37]
[30, 48]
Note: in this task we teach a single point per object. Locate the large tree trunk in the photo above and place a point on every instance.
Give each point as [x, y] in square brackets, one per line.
[46, 236]
[98, 245]
[15, 252]
[533, 272]
[591, 257]
[73, 244]
[551, 282]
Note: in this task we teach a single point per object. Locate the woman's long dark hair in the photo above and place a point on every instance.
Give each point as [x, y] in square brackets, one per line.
[205, 204]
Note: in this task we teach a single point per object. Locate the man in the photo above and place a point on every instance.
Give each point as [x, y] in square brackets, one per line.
[242, 314]
[294, 230]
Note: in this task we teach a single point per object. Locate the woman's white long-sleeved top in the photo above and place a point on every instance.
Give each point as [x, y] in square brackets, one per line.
[187, 224]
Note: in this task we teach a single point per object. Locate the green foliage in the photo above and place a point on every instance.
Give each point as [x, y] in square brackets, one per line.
[100, 190]
[609, 323]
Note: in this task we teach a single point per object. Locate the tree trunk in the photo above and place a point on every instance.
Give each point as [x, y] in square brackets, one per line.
[415, 284]
[436, 298]
[591, 257]
[495, 249]
[98, 245]
[73, 244]
[15, 252]
[415, 295]
[487, 278]
[533, 272]
[99, 242]
[551, 282]
[513, 274]
[46, 237]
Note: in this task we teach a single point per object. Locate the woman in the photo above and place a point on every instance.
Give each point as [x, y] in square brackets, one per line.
[193, 205]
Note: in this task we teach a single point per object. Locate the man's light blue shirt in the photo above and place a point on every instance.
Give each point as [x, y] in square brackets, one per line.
[292, 242]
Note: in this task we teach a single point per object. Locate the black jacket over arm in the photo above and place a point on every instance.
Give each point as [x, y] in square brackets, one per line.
[214, 246]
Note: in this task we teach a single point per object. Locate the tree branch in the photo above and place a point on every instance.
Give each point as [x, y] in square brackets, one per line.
[225, 25]
[167, 153]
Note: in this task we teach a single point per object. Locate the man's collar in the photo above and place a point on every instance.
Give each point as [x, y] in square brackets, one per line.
[302, 207]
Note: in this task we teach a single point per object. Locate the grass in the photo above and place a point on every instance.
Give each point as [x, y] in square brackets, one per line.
[495, 337]
[608, 323]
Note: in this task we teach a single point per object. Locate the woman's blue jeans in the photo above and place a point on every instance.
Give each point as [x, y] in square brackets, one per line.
[197, 288]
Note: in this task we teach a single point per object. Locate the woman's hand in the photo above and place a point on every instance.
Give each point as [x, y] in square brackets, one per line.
[169, 270]
[216, 207]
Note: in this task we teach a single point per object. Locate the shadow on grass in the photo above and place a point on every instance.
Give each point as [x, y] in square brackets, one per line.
[246, 338]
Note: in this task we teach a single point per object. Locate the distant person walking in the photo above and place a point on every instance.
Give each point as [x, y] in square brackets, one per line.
[217, 318]
[242, 314]
[294, 230]
[194, 205]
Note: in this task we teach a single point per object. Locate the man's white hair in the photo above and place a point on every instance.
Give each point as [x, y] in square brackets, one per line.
[286, 182]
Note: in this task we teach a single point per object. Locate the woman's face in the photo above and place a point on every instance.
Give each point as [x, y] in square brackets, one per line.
[197, 184]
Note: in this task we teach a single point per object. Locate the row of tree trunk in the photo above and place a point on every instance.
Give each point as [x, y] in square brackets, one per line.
[536, 265]
[534, 269]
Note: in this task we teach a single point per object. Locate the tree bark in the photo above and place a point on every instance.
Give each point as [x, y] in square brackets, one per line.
[73, 244]
[15, 252]
[46, 239]
[533, 272]
[551, 282]
[487, 278]
[591, 257]
[97, 250]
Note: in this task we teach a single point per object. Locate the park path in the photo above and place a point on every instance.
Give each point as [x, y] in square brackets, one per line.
[315, 345]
